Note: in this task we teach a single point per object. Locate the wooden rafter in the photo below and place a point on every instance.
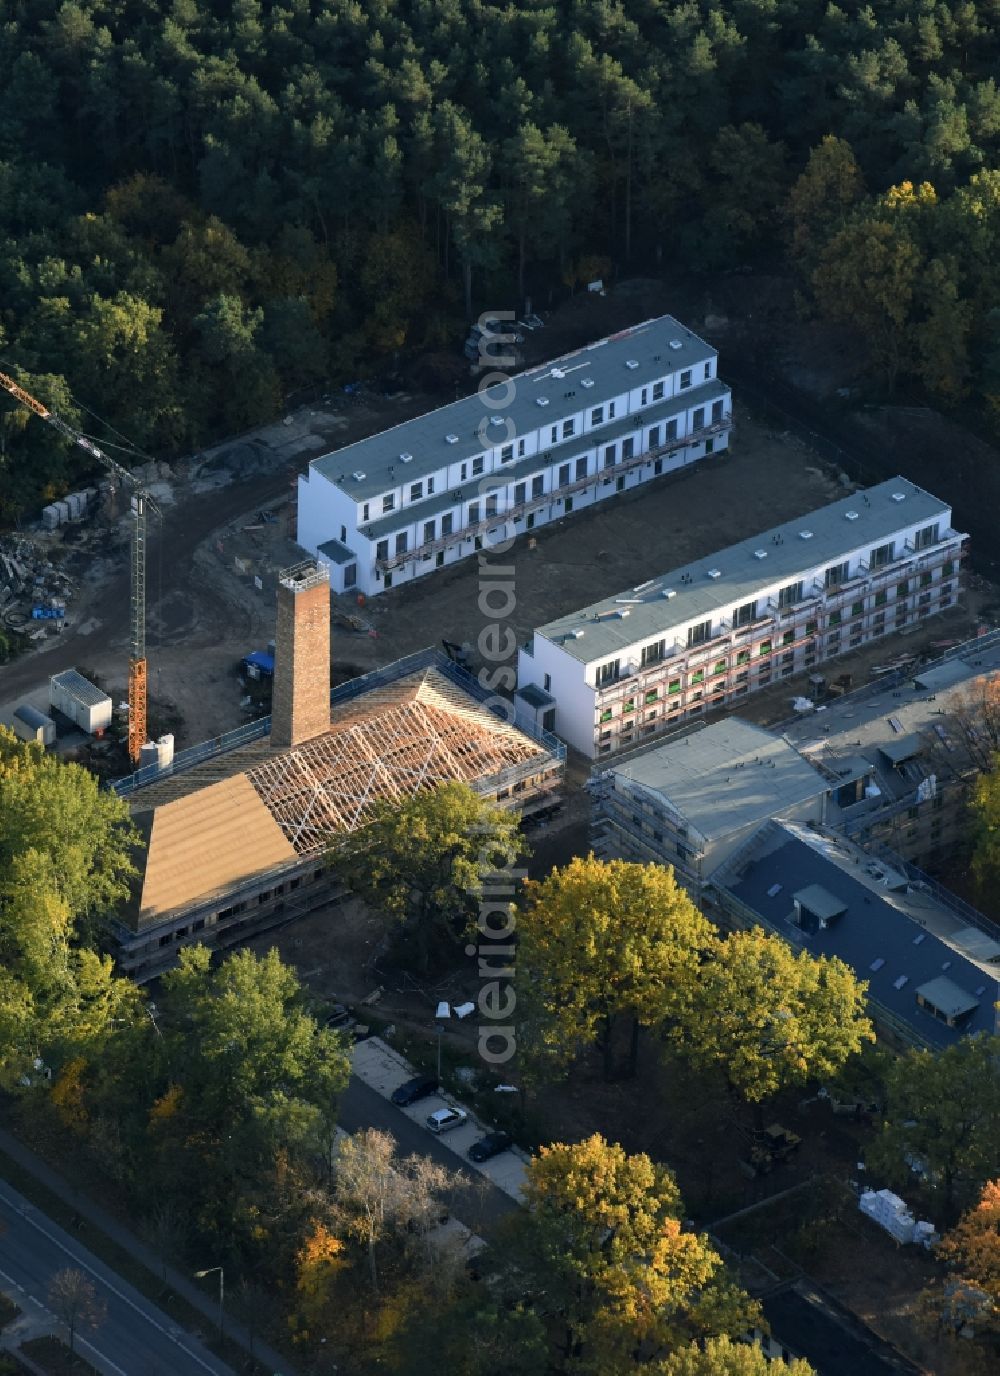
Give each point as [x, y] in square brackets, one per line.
[419, 732]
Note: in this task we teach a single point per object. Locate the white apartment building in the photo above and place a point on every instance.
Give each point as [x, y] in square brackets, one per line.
[614, 674]
[528, 450]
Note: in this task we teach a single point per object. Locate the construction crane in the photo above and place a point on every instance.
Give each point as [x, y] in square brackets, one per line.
[142, 504]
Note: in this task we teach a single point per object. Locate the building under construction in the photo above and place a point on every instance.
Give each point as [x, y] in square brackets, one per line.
[238, 830]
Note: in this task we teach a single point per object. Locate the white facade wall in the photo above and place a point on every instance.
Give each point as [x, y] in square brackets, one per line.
[89, 716]
[412, 497]
[819, 625]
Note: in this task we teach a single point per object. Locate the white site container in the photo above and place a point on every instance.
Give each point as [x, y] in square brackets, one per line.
[29, 724]
[79, 700]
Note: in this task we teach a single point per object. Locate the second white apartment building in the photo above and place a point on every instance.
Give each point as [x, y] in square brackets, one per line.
[614, 674]
[527, 450]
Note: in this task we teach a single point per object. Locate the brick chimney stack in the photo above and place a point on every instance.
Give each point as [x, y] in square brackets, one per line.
[301, 699]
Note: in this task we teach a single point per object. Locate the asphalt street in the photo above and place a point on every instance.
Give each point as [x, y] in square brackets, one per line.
[134, 1339]
[479, 1205]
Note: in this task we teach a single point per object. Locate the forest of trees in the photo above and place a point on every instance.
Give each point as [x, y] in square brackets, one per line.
[206, 207]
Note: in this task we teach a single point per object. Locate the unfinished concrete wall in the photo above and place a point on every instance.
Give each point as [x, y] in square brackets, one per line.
[300, 706]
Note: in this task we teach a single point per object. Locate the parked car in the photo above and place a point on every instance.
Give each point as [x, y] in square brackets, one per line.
[338, 1016]
[447, 1118]
[491, 1145]
[413, 1090]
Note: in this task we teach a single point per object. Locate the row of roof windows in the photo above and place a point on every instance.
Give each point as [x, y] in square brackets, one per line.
[599, 415]
[787, 597]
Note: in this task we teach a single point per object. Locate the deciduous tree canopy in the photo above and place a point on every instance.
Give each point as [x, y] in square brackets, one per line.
[771, 1017]
[942, 1121]
[600, 941]
[424, 859]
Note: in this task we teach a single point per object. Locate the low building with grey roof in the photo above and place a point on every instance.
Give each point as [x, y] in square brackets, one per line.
[901, 753]
[930, 962]
[529, 449]
[705, 635]
[694, 799]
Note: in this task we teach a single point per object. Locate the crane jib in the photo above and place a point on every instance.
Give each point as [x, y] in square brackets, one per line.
[141, 503]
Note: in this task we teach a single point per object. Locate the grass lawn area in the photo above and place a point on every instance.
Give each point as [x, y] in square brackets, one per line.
[54, 1357]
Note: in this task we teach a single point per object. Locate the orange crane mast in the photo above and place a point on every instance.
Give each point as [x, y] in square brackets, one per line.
[142, 503]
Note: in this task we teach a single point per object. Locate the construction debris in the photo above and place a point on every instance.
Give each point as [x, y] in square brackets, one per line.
[32, 589]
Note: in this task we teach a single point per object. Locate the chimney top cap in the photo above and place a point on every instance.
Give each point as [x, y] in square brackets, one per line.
[307, 574]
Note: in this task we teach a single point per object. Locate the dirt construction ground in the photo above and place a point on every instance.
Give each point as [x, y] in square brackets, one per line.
[230, 521]
[767, 477]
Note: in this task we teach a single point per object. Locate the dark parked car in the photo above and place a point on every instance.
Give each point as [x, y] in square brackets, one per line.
[413, 1090]
[489, 1146]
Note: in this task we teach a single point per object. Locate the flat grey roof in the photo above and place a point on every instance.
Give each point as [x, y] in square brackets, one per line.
[648, 344]
[938, 677]
[977, 944]
[948, 997]
[725, 777]
[820, 901]
[80, 688]
[535, 696]
[741, 573]
[31, 716]
[847, 729]
[896, 749]
[514, 472]
[336, 552]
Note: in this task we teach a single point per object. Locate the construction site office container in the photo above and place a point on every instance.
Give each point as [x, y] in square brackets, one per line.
[28, 724]
[78, 699]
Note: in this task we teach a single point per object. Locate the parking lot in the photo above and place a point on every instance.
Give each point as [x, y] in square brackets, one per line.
[383, 1069]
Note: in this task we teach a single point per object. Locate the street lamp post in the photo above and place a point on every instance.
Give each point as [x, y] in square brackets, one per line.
[222, 1290]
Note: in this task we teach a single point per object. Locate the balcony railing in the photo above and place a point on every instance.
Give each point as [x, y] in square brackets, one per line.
[535, 502]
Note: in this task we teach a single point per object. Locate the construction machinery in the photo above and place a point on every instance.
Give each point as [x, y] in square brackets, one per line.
[769, 1148]
[142, 505]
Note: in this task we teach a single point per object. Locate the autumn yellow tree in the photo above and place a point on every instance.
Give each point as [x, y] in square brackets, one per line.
[723, 1357]
[67, 1096]
[770, 1017]
[985, 804]
[866, 277]
[318, 1264]
[620, 1280]
[972, 1247]
[603, 942]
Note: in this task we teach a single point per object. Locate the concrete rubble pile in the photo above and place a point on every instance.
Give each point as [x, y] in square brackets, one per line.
[33, 591]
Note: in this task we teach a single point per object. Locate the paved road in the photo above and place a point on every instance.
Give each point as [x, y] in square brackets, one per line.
[135, 1339]
[480, 1206]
